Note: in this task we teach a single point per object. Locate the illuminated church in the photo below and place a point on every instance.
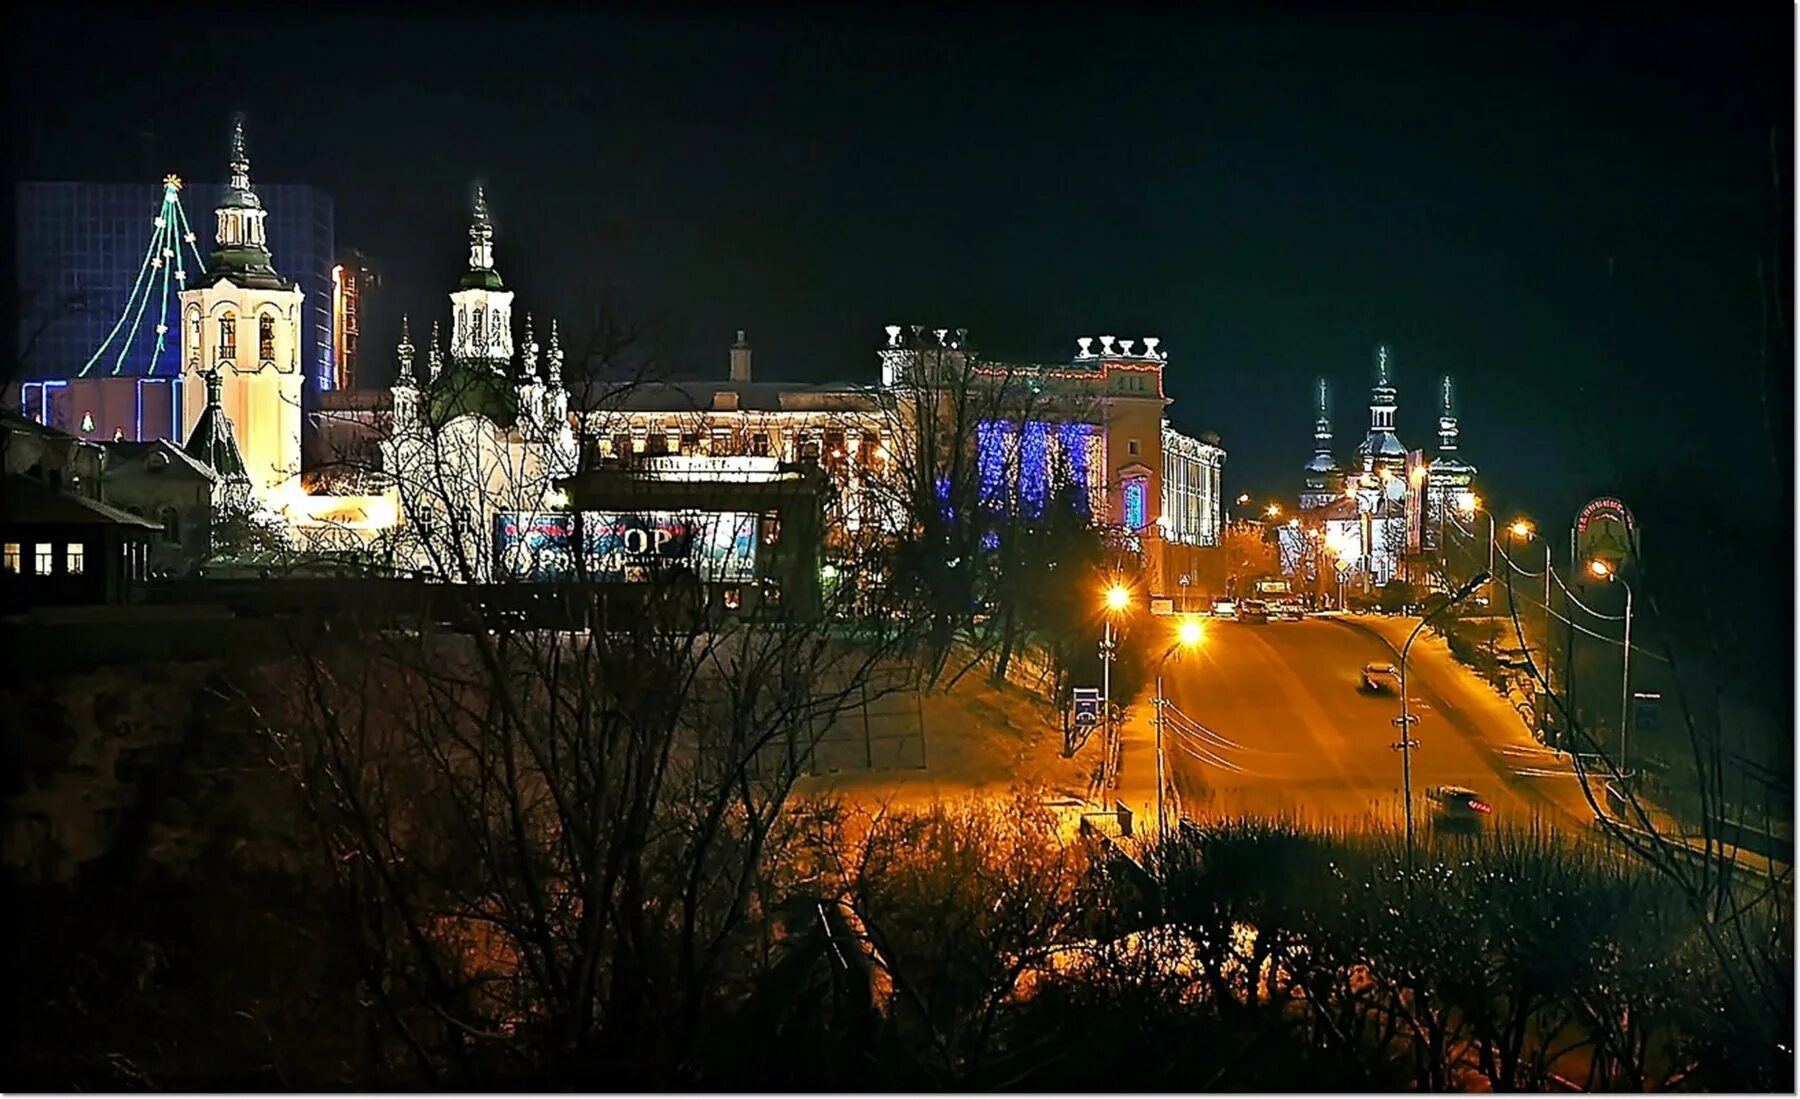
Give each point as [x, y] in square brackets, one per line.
[482, 432]
[1387, 504]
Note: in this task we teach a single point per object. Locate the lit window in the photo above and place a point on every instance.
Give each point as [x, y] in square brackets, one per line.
[1134, 504]
[75, 559]
[44, 560]
[265, 338]
[228, 336]
[13, 564]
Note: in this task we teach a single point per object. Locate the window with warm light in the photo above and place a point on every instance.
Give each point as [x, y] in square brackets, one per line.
[75, 559]
[265, 338]
[228, 336]
[13, 562]
[44, 560]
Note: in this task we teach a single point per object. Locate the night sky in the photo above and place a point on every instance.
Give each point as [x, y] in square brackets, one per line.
[1270, 192]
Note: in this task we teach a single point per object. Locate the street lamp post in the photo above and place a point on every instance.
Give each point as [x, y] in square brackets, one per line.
[1188, 635]
[1610, 574]
[1406, 719]
[1117, 599]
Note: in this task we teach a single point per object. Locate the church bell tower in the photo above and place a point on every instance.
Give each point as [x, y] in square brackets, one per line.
[242, 320]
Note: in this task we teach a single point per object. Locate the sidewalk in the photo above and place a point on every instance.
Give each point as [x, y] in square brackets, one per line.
[1137, 766]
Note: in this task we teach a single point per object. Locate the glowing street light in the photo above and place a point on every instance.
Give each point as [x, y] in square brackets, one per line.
[1521, 528]
[1190, 632]
[1600, 568]
[1243, 498]
[1273, 511]
[1118, 597]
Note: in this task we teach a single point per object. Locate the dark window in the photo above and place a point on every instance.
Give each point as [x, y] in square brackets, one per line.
[171, 521]
[265, 338]
[759, 444]
[228, 337]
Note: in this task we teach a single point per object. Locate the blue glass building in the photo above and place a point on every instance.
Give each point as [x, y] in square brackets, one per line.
[81, 245]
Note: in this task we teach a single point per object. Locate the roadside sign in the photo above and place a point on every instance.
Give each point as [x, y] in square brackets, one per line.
[1087, 706]
[1162, 606]
[1646, 710]
[1604, 530]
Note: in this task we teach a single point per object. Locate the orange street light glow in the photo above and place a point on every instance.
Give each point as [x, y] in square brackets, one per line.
[1600, 568]
[1273, 510]
[1117, 598]
[1521, 529]
[1190, 632]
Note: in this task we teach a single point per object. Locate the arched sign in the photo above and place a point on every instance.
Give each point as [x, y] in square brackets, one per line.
[1605, 531]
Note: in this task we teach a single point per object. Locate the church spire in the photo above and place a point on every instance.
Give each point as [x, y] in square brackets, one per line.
[404, 376]
[481, 274]
[1447, 429]
[528, 353]
[241, 237]
[434, 354]
[1383, 398]
[1322, 426]
[554, 359]
[240, 156]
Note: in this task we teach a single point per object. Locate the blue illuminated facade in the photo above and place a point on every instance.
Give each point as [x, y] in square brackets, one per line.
[80, 247]
[1018, 468]
[1034, 468]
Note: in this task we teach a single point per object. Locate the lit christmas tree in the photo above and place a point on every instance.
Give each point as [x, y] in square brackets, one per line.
[164, 265]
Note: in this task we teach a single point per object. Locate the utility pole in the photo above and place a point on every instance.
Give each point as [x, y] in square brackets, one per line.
[1406, 718]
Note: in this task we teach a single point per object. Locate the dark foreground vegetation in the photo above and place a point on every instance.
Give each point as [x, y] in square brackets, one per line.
[973, 947]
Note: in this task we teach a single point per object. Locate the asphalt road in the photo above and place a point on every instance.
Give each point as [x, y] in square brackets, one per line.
[1281, 727]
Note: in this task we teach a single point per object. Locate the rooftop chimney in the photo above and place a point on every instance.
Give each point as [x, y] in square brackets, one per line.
[740, 359]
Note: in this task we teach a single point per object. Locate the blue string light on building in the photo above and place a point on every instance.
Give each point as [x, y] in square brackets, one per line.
[1072, 442]
[1034, 468]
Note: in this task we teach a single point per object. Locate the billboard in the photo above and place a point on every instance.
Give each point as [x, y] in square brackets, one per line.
[629, 547]
[1604, 529]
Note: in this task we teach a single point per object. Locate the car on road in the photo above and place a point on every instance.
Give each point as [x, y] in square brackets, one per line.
[1253, 610]
[1458, 808]
[1224, 608]
[1381, 678]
